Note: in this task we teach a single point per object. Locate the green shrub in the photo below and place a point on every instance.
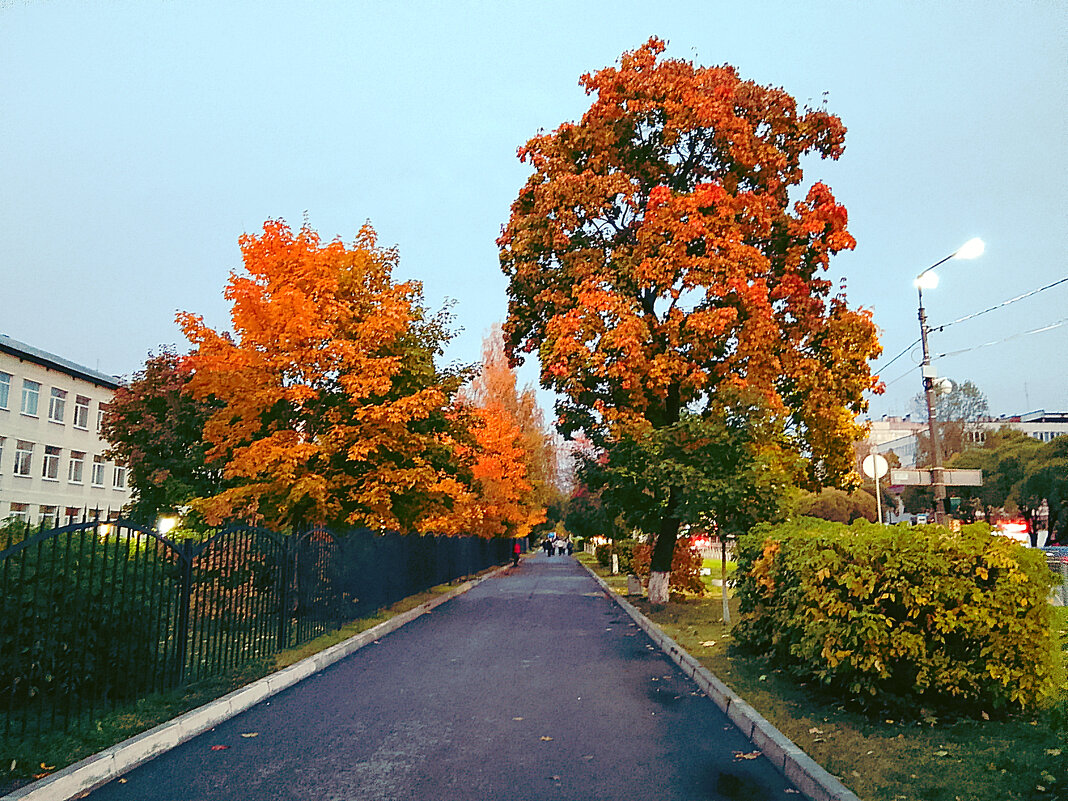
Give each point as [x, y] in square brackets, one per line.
[899, 614]
[685, 566]
[624, 549]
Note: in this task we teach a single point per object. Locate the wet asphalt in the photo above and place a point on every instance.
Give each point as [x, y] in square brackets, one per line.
[533, 686]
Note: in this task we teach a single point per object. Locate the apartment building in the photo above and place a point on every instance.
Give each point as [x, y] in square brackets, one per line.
[52, 464]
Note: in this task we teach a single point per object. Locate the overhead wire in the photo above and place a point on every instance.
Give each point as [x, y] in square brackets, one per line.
[1039, 330]
[1000, 305]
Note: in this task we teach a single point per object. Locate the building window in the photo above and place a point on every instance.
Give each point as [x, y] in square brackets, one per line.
[98, 471]
[72, 515]
[2, 454]
[81, 412]
[31, 396]
[57, 405]
[51, 463]
[23, 457]
[99, 418]
[20, 512]
[119, 477]
[5, 389]
[48, 516]
[76, 467]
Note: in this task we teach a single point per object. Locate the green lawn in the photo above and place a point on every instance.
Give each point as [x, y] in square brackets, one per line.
[923, 759]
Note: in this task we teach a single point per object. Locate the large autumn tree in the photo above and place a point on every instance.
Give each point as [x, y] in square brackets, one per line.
[332, 408]
[664, 248]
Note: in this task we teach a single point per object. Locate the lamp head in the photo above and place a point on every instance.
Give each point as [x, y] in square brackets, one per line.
[971, 249]
[928, 279]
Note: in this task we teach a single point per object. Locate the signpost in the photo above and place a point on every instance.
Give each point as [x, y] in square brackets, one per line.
[952, 478]
[875, 466]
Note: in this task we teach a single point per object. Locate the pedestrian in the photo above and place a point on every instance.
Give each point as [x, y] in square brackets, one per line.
[547, 546]
[515, 553]
[570, 547]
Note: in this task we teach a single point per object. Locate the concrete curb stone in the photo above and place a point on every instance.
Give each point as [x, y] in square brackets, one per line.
[811, 778]
[74, 781]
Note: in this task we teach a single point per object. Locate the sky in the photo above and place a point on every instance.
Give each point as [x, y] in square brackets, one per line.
[140, 139]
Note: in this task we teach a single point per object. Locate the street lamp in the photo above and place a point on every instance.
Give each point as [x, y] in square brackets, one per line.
[928, 279]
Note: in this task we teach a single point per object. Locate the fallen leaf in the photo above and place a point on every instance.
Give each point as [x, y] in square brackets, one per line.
[517, 718]
[857, 775]
[545, 739]
[588, 756]
[122, 781]
[750, 755]
[814, 730]
[556, 778]
[763, 678]
[708, 643]
[39, 775]
[219, 747]
[1053, 752]
[47, 767]
[250, 734]
[941, 753]
[986, 716]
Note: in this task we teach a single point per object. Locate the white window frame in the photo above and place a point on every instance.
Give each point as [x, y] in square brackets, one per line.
[47, 514]
[50, 468]
[2, 440]
[81, 412]
[31, 397]
[118, 477]
[76, 467]
[23, 458]
[5, 389]
[57, 405]
[98, 471]
[19, 512]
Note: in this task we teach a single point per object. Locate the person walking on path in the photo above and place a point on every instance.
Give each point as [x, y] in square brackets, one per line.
[515, 553]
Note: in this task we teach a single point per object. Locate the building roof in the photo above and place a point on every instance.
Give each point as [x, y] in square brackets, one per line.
[31, 354]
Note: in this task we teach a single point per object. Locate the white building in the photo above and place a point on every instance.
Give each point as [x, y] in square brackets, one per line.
[52, 467]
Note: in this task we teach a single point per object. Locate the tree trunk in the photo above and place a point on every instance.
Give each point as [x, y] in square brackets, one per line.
[663, 552]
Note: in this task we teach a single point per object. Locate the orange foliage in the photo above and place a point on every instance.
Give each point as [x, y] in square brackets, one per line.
[331, 408]
[654, 256]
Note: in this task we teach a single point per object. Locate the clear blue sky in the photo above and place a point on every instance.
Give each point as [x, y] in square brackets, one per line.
[140, 138]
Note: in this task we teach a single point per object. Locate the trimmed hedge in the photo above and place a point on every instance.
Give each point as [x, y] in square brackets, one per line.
[624, 549]
[901, 615]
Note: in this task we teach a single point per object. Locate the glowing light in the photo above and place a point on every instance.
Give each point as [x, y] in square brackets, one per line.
[166, 524]
[971, 249]
[926, 280]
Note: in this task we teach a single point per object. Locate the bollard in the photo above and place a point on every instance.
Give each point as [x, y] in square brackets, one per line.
[615, 564]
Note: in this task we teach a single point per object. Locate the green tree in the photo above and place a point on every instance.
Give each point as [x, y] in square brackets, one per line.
[958, 412]
[838, 506]
[155, 427]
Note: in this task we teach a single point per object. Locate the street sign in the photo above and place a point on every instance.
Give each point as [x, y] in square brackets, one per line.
[874, 466]
[951, 478]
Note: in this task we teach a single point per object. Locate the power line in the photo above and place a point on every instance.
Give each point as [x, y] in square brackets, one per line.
[906, 350]
[1049, 327]
[1002, 304]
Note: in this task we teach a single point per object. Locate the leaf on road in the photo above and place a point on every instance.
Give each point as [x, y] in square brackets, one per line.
[1053, 752]
[749, 755]
[545, 739]
[250, 734]
[47, 767]
[517, 718]
[219, 747]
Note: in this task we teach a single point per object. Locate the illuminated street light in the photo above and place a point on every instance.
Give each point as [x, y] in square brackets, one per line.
[928, 279]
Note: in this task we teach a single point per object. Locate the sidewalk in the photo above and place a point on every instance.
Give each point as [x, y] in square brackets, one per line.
[533, 685]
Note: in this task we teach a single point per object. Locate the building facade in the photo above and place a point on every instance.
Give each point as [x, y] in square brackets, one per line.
[52, 464]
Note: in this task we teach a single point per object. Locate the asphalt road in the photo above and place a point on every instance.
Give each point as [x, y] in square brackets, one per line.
[533, 686]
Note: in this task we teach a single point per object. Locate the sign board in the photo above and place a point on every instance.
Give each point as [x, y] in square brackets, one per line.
[951, 478]
[874, 466]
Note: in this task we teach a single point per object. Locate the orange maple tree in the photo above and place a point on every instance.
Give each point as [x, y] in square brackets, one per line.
[514, 461]
[655, 257]
[332, 410]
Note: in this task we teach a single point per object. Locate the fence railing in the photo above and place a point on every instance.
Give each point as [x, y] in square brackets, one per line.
[1057, 559]
[96, 614]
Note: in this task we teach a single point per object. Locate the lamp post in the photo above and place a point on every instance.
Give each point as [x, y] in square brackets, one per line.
[928, 279]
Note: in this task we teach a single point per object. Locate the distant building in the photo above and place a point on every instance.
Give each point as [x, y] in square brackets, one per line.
[898, 434]
[52, 467]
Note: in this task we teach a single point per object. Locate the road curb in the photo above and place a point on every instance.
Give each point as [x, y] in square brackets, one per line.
[78, 779]
[813, 780]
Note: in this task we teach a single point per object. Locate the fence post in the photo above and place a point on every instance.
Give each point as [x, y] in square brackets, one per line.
[185, 597]
[288, 557]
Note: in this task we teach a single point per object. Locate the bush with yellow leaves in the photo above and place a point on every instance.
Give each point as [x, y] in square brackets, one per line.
[901, 615]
